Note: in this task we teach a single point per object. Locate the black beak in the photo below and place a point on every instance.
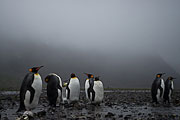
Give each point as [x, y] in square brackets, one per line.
[85, 73]
[41, 66]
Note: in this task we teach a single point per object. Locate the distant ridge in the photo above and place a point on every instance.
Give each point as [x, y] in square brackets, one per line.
[116, 70]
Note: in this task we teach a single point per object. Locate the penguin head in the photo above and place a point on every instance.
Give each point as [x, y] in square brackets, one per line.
[97, 78]
[171, 78]
[89, 75]
[73, 75]
[35, 69]
[47, 78]
[159, 75]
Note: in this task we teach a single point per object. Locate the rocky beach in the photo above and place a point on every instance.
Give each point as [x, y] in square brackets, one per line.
[117, 104]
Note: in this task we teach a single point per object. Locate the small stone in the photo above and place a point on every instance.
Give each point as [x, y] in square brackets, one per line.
[5, 118]
[1, 107]
[127, 117]
[63, 116]
[98, 115]
[41, 113]
[109, 114]
[139, 114]
[120, 116]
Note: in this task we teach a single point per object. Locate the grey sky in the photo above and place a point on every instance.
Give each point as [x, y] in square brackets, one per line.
[125, 28]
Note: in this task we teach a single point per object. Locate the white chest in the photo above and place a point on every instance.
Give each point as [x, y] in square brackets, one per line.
[162, 84]
[172, 85]
[37, 83]
[86, 87]
[87, 84]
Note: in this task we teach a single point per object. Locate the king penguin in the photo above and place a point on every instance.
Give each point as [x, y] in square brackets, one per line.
[89, 83]
[94, 89]
[169, 87]
[157, 89]
[54, 89]
[73, 89]
[99, 90]
[31, 89]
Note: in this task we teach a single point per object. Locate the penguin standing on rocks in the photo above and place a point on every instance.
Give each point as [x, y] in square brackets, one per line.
[94, 89]
[169, 87]
[99, 90]
[73, 89]
[54, 89]
[31, 89]
[89, 83]
[157, 89]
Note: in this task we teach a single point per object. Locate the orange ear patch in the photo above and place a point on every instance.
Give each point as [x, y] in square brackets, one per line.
[30, 70]
[46, 80]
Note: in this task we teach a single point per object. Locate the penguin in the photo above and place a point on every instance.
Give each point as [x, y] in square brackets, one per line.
[54, 89]
[64, 99]
[30, 90]
[73, 89]
[169, 87]
[99, 90]
[157, 89]
[94, 89]
[89, 83]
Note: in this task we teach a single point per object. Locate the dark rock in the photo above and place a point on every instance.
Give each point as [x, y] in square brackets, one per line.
[109, 114]
[1, 107]
[41, 113]
[63, 116]
[98, 115]
[124, 107]
[177, 101]
[5, 118]
[127, 117]
[120, 116]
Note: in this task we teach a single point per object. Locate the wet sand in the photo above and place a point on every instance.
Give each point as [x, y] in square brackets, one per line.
[117, 104]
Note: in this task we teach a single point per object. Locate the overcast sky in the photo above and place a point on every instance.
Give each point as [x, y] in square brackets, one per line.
[108, 27]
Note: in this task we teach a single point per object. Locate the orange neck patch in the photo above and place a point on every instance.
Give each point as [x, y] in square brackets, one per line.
[74, 77]
[36, 73]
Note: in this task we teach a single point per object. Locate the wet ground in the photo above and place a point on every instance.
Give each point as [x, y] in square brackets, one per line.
[117, 104]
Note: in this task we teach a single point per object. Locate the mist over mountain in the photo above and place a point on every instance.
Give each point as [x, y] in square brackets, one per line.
[116, 70]
[124, 42]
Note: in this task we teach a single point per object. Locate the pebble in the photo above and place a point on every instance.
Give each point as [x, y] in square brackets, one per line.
[109, 114]
[120, 116]
[41, 113]
[5, 118]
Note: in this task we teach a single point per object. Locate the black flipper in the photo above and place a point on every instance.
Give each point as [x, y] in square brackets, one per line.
[32, 92]
[161, 91]
[68, 94]
[88, 90]
[93, 95]
[59, 87]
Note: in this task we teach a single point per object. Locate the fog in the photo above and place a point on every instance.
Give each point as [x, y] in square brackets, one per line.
[124, 42]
